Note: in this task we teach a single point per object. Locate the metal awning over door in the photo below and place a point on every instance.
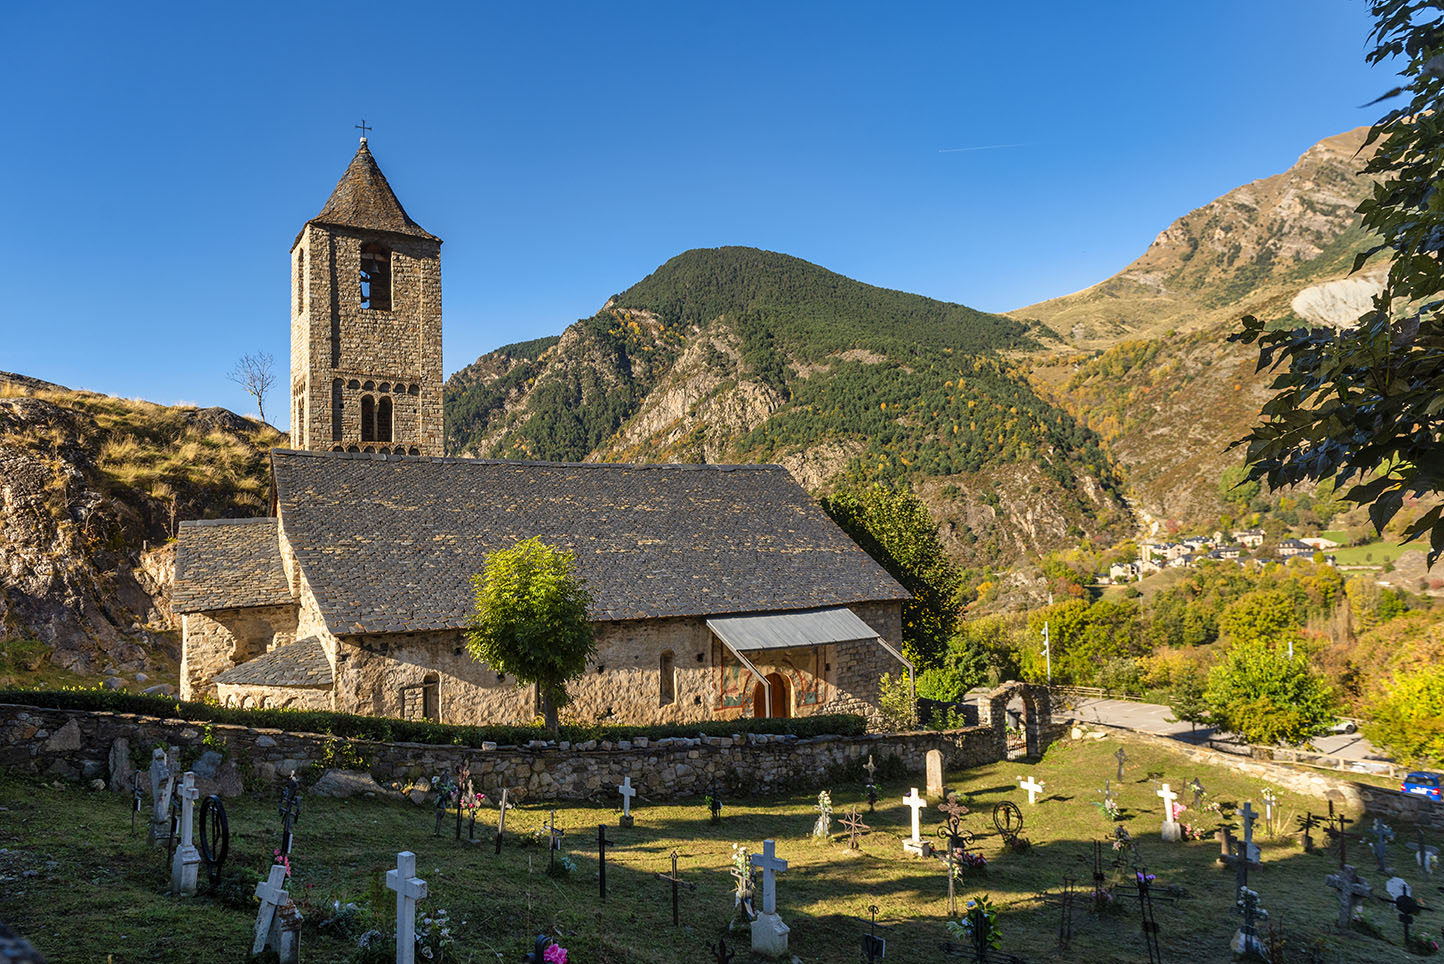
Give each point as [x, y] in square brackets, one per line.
[811, 627]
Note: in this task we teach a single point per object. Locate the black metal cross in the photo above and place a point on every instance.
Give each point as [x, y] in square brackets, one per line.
[676, 882]
[714, 802]
[362, 127]
[720, 953]
[443, 797]
[289, 810]
[1149, 924]
[554, 843]
[873, 947]
[853, 823]
[602, 842]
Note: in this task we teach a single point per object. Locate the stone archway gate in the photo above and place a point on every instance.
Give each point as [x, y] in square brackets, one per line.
[1037, 714]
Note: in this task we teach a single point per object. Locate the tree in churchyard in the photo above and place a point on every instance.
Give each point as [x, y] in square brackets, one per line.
[1364, 406]
[1408, 720]
[893, 525]
[256, 374]
[1186, 699]
[530, 621]
[1260, 692]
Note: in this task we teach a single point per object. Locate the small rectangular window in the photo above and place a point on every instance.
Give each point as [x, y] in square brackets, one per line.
[668, 680]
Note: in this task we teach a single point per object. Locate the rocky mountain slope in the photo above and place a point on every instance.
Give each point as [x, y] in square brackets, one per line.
[90, 491]
[741, 355]
[1148, 364]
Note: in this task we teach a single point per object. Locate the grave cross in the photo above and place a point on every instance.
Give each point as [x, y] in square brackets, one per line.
[501, 820]
[187, 858]
[1032, 786]
[874, 948]
[1336, 831]
[1149, 923]
[1107, 792]
[627, 792]
[1403, 900]
[1171, 830]
[854, 825]
[676, 882]
[871, 770]
[463, 788]
[289, 810]
[1269, 799]
[1250, 849]
[162, 784]
[918, 804]
[1425, 855]
[554, 842]
[1306, 823]
[1198, 792]
[602, 842]
[770, 864]
[409, 889]
[443, 797]
[720, 953]
[1352, 890]
[272, 893]
[1122, 758]
[1383, 833]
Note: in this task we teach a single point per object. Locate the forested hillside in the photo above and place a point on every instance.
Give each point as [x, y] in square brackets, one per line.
[741, 355]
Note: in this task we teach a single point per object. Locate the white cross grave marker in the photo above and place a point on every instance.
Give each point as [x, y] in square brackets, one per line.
[187, 860]
[1033, 787]
[409, 889]
[1171, 830]
[272, 893]
[1250, 849]
[769, 934]
[918, 804]
[627, 792]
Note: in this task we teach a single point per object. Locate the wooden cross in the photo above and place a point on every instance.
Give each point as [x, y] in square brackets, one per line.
[770, 864]
[363, 128]
[918, 804]
[1352, 890]
[409, 889]
[1198, 792]
[853, 823]
[676, 882]
[272, 893]
[625, 789]
[1032, 786]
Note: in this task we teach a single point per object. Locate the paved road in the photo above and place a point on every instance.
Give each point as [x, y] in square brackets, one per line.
[1152, 718]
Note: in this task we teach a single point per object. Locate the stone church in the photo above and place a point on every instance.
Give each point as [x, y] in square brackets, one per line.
[720, 590]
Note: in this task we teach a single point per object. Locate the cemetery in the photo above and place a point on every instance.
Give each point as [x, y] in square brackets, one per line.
[1104, 848]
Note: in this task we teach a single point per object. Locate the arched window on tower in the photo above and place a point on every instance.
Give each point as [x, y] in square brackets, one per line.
[375, 277]
[383, 419]
[368, 418]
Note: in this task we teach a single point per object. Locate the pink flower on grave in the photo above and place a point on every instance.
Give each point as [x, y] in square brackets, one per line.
[283, 859]
[556, 954]
[1178, 808]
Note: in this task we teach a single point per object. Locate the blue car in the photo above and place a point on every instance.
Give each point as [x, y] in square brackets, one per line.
[1424, 784]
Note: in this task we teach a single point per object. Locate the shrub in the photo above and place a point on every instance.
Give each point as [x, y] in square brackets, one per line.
[895, 698]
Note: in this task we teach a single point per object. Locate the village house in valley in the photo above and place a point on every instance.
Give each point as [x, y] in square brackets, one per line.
[720, 591]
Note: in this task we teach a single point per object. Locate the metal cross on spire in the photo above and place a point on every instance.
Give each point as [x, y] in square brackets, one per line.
[363, 128]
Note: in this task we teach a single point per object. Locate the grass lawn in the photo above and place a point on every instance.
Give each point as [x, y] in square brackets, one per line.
[1369, 554]
[83, 889]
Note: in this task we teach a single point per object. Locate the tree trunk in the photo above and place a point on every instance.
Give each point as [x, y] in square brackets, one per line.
[549, 713]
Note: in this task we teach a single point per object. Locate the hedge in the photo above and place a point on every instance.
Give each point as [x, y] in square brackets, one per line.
[384, 730]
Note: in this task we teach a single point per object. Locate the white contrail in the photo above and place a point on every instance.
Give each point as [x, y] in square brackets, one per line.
[985, 147]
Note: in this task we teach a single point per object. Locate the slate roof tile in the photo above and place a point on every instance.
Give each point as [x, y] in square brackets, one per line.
[302, 663]
[363, 199]
[389, 543]
[228, 564]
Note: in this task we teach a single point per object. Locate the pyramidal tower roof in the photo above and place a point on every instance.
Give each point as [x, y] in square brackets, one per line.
[363, 199]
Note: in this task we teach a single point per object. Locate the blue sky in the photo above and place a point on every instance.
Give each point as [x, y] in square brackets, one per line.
[159, 160]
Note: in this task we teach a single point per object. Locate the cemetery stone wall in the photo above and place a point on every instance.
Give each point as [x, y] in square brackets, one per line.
[76, 744]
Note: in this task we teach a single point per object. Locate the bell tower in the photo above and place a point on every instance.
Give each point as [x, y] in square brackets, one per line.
[366, 323]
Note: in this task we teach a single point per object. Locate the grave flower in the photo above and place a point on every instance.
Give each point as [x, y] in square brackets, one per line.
[283, 859]
[556, 954]
[823, 826]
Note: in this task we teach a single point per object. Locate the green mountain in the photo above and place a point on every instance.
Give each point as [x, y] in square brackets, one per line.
[740, 355]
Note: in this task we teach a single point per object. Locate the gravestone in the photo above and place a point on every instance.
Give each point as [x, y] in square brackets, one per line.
[1269, 799]
[935, 772]
[627, 792]
[1172, 832]
[1033, 787]
[1352, 890]
[278, 921]
[1122, 758]
[769, 934]
[916, 844]
[1426, 856]
[162, 785]
[187, 861]
[409, 889]
[1198, 792]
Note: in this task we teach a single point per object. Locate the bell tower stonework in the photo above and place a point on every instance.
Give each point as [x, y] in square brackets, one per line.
[366, 323]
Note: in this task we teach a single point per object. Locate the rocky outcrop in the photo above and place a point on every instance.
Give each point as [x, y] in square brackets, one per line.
[1337, 303]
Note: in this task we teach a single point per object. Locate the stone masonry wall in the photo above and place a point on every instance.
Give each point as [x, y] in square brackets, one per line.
[72, 744]
[216, 641]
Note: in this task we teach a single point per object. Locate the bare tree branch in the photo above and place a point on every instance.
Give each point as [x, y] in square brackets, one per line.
[256, 374]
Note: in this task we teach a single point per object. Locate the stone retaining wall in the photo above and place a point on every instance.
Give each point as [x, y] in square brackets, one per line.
[83, 745]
